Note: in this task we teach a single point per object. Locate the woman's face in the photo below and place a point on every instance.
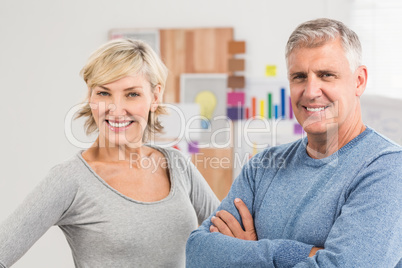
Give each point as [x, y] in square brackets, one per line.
[121, 109]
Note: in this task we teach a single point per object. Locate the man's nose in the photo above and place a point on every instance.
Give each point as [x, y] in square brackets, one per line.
[312, 88]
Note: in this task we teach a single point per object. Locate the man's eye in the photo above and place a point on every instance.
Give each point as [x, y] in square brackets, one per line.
[102, 93]
[299, 77]
[326, 75]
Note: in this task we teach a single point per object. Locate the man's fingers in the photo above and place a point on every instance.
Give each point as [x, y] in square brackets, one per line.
[231, 223]
[213, 229]
[245, 214]
[314, 251]
[221, 226]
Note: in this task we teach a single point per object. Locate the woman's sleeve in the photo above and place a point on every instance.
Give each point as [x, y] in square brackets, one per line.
[40, 210]
[202, 197]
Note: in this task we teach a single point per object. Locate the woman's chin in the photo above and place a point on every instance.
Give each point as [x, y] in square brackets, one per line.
[118, 141]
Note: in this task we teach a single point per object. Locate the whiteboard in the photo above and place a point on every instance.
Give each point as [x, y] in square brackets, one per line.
[383, 115]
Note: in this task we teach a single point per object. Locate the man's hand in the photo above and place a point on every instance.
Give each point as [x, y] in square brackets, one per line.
[314, 251]
[225, 223]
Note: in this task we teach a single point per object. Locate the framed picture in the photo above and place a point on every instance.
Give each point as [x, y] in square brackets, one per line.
[177, 125]
[210, 92]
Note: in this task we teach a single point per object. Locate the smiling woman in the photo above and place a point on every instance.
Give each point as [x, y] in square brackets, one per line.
[121, 109]
[116, 60]
[120, 203]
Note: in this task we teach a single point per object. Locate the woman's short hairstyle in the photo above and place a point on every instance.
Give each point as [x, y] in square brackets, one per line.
[315, 33]
[117, 59]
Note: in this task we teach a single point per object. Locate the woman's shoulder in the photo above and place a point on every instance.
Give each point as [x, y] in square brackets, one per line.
[68, 170]
[62, 181]
[70, 164]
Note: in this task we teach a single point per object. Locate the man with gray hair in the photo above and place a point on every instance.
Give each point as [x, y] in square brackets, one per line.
[336, 199]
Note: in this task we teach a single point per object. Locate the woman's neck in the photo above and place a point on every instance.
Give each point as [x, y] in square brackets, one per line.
[114, 153]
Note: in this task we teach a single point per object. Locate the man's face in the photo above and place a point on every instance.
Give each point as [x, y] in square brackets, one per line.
[323, 89]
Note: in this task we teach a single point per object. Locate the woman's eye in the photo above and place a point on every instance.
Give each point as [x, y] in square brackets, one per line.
[133, 94]
[102, 93]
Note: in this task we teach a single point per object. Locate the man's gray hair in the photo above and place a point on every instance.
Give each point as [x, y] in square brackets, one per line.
[315, 33]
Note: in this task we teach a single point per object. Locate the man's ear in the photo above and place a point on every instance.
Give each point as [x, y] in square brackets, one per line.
[156, 98]
[361, 80]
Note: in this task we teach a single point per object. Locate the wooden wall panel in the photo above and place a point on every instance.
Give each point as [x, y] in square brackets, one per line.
[173, 54]
[223, 37]
[216, 165]
[190, 56]
[199, 51]
[193, 51]
[203, 51]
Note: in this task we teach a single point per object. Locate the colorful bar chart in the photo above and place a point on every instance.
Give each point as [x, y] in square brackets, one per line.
[275, 105]
[262, 101]
[276, 112]
[290, 109]
[262, 108]
[269, 105]
[254, 106]
[283, 108]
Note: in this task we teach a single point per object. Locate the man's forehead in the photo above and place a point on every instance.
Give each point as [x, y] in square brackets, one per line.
[304, 64]
[334, 45]
[315, 43]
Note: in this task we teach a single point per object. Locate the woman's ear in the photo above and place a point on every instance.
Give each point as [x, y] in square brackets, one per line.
[361, 80]
[156, 98]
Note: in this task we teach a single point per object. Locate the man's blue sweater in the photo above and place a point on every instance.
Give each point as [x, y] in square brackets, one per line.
[350, 203]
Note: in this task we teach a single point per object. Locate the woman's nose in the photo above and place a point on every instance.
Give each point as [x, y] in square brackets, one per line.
[117, 107]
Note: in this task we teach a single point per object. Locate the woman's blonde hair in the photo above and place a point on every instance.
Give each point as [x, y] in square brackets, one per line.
[117, 59]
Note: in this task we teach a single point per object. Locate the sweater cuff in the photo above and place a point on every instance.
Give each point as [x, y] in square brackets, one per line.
[288, 253]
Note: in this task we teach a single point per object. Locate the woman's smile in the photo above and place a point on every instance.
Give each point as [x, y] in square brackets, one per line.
[118, 126]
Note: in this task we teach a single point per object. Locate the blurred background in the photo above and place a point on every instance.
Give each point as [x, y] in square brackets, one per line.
[44, 45]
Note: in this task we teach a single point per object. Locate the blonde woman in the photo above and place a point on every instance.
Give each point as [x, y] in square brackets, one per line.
[121, 203]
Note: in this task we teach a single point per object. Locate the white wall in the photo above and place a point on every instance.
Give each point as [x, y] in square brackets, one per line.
[45, 43]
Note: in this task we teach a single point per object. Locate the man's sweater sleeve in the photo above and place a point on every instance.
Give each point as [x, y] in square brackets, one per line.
[368, 233]
[205, 249]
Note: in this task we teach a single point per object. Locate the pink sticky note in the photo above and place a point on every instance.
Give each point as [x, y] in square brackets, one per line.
[236, 98]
